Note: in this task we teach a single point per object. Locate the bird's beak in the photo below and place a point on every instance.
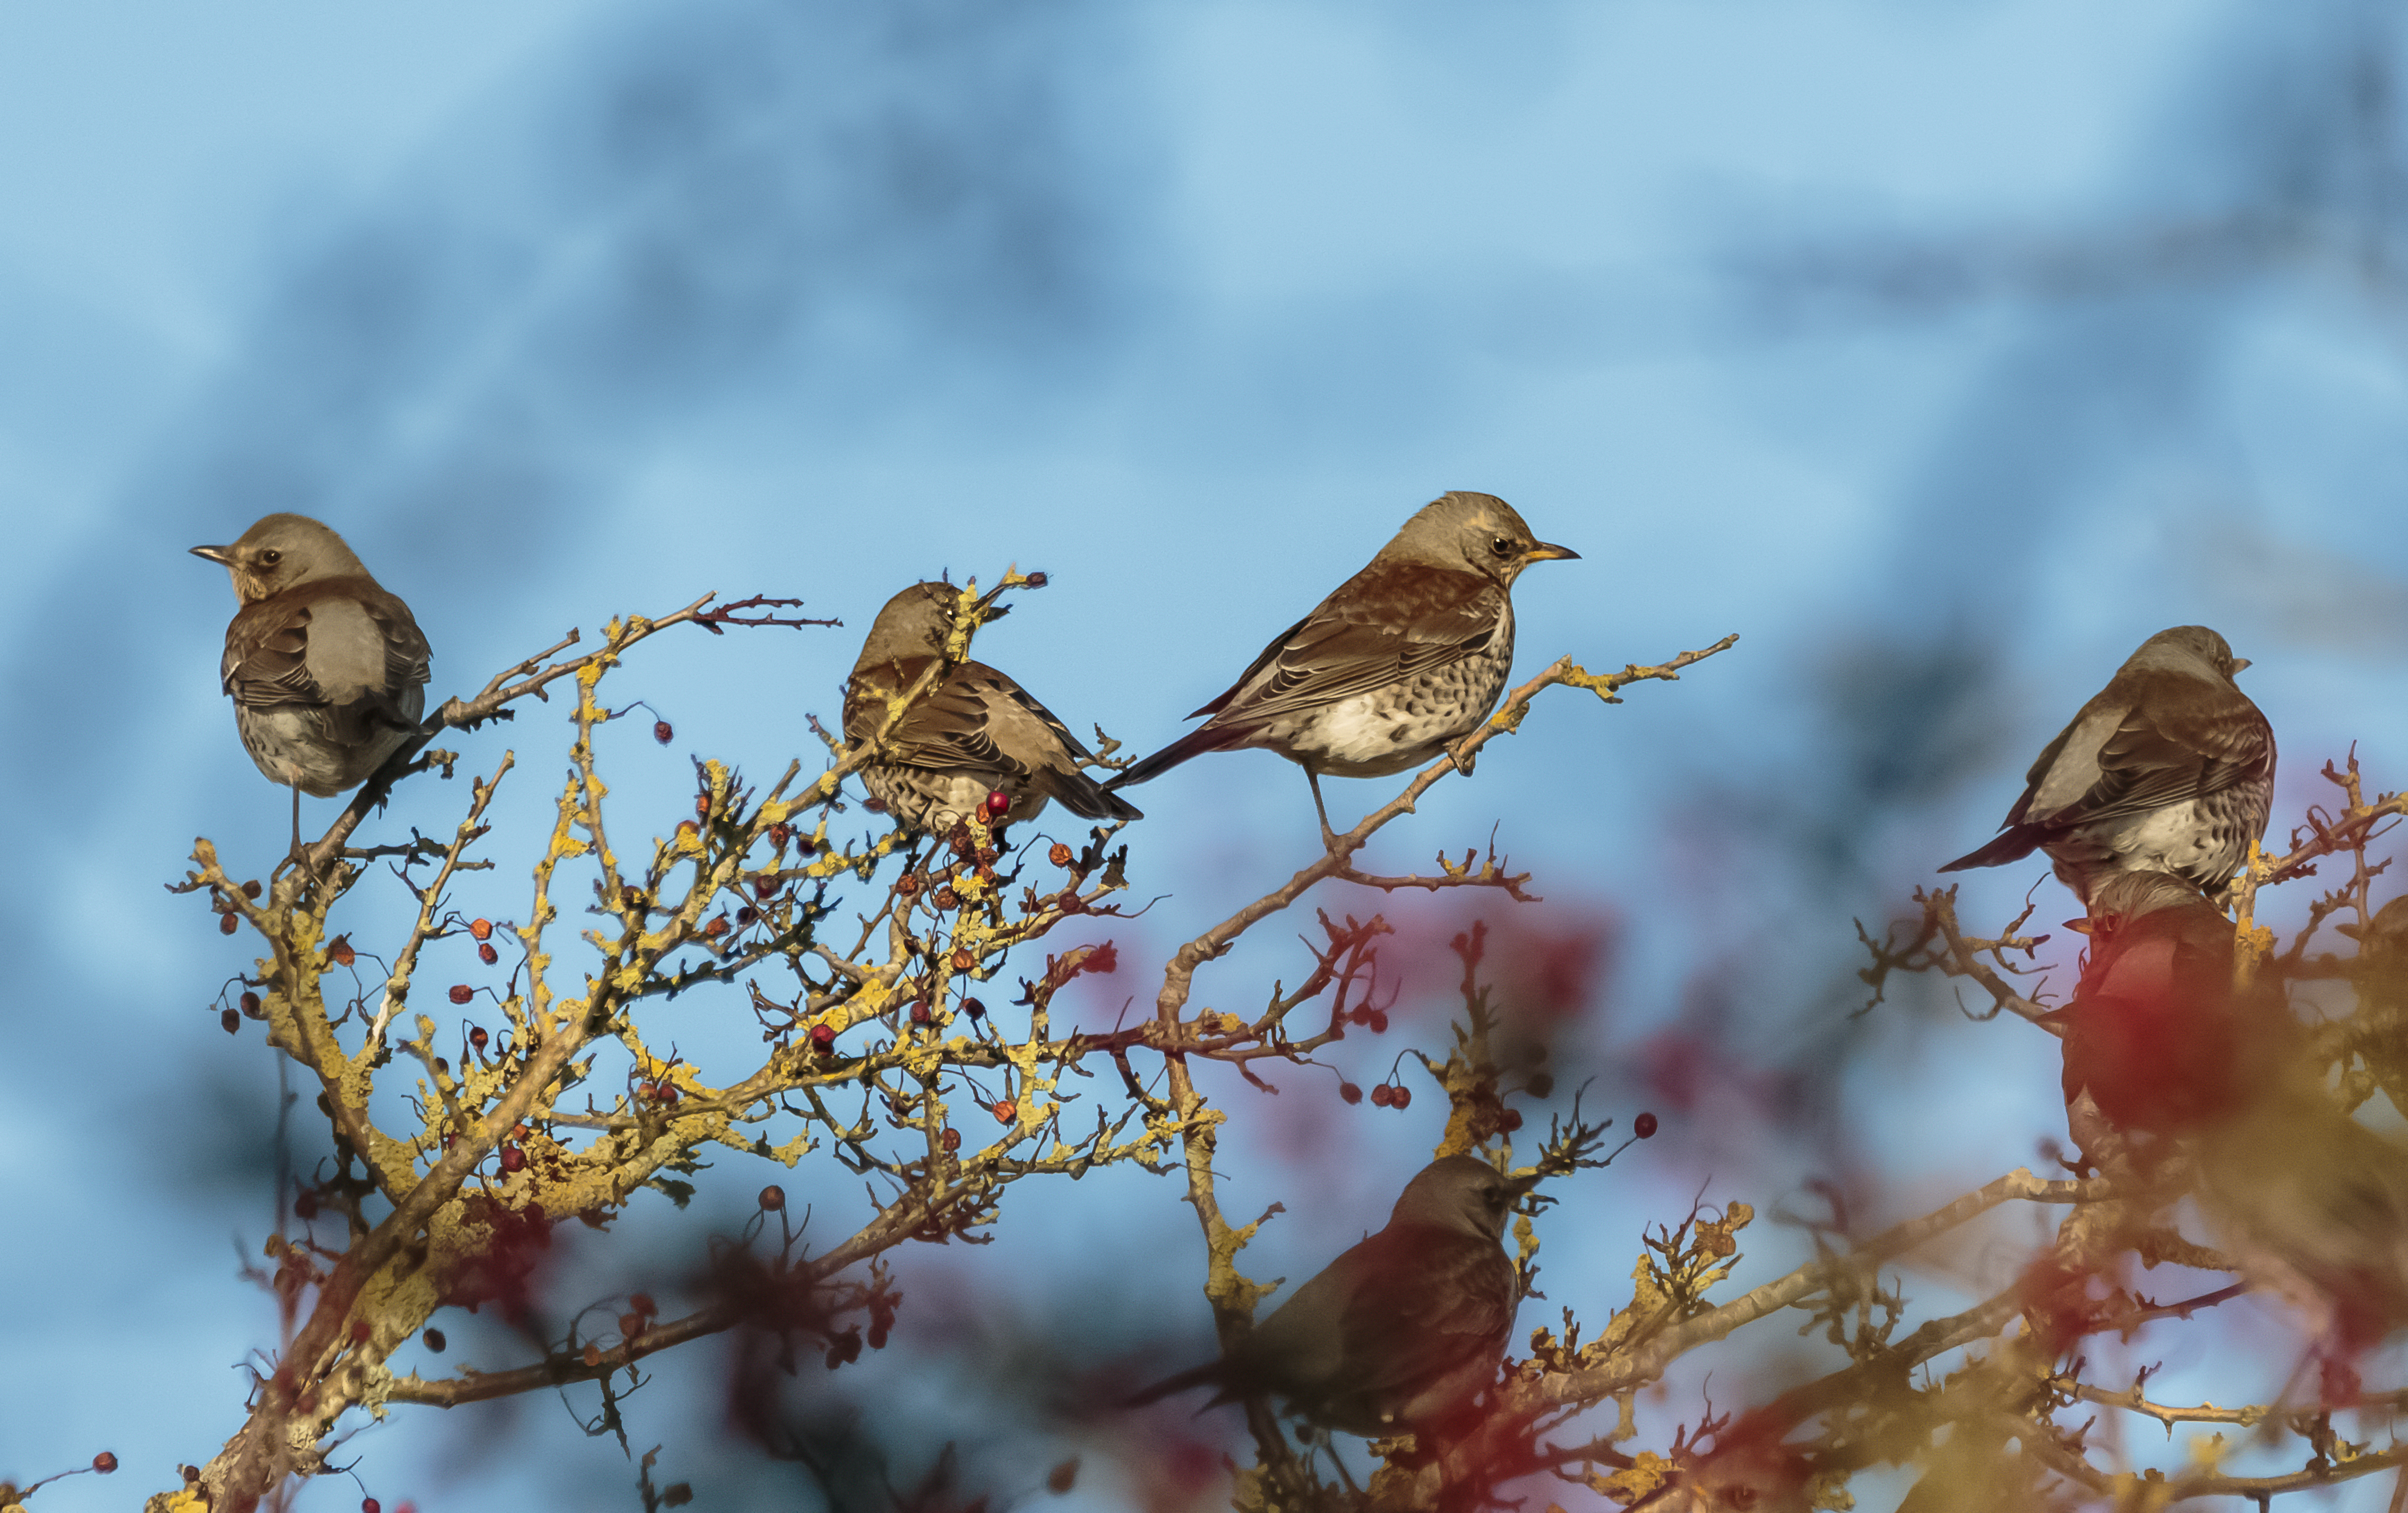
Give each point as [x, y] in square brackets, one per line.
[2081, 925]
[2239, 662]
[1544, 552]
[223, 556]
[1522, 1187]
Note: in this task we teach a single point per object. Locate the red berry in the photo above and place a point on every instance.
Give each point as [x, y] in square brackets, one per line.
[228, 925]
[975, 1009]
[251, 889]
[250, 1006]
[339, 952]
[773, 1198]
[662, 733]
[1006, 1111]
[1035, 581]
[304, 1204]
[477, 1036]
[804, 846]
[998, 803]
[823, 1035]
[488, 955]
[514, 1158]
[702, 805]
[1511, 1122]
[963, 960]
[369, 1505]
[1382, 1095]
[746, 916]
[232, 1020]
[462, 993]
[665, 1091]
[781, 833]
[907, 884]
[361, 1330]
[104, 1462]
[919, 1012]
[642, 1303]
[946, 899]
[1644, 1126]
[1349, 1092]
[482, 929]
[950, 1140]
[1402, 1096]
[1378, 1021]
[1542, 1085]
[1060, 855]
[1070, 903]
[631, 1324]
[434, 1338]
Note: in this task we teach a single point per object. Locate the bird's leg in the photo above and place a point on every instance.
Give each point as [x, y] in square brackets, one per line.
[296, 822]
[1327, 1444]
[1328, 836]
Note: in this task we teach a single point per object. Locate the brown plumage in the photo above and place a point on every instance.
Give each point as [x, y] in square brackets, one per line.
[2157, 1034]
[977, 731]
[327, 670]
[2160, 1042]
[1404, 1328]
[1407, 656]
[2170, 768]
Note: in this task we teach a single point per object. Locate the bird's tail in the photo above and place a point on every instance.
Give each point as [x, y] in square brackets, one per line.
[2013, 845]
[1195, 743]
[1209, 1373]
[1086, 798]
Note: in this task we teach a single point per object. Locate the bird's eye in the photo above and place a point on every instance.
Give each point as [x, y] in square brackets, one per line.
[270, 557]
[1742, 1497]
[1503, 545]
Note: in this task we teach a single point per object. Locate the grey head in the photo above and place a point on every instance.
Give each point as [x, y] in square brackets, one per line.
[2127, 896]
[281, 553]
[913, 624]
[2190, 648]
[1460, 1193]
[1461, 530]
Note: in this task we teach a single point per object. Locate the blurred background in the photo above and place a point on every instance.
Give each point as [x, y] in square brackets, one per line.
[1942, 350]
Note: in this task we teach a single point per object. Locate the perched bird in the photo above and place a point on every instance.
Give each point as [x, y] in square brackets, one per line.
[2161, 1042]
[2158, 1039]
[1403, 1328]
[2170, 768]
[326, 669]
[1408, 655]
[976, 733]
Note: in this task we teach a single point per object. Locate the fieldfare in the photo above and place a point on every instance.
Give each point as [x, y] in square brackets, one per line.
[976, 733]
[1407, 656]
[327, 670]
[2159, 1040]
[2170, 768]
[1404, 1329]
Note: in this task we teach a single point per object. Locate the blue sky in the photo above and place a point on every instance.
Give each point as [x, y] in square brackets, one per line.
[587, 308]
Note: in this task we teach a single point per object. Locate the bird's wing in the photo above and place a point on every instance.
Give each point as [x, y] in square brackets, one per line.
[1386, 622]
[1423, 1300]
[2169, 749]
[266, 657]
[339, 642]
[978, 721]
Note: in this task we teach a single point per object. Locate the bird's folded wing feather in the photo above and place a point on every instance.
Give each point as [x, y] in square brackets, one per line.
[2151, 762]
[976, 721]
[1425, 1301]
[341, 641]
[1386, 623]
